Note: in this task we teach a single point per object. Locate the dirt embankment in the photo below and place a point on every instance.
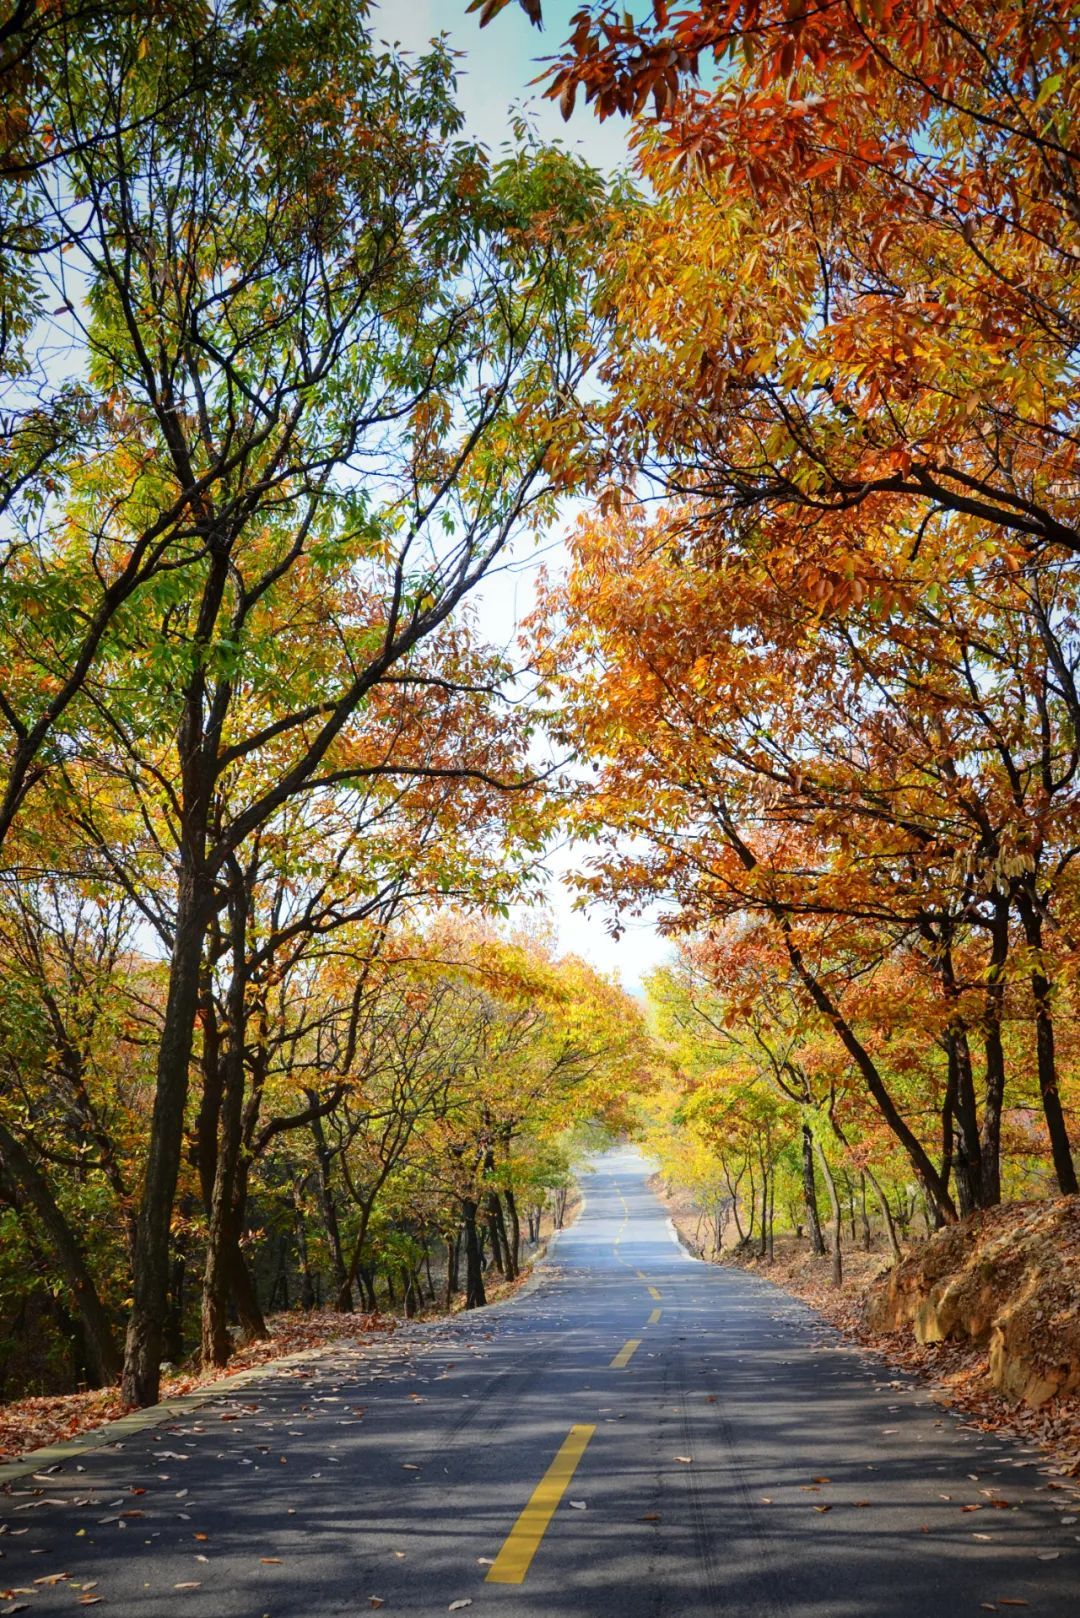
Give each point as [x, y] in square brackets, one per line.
[1008, 1281]
[987, 1311]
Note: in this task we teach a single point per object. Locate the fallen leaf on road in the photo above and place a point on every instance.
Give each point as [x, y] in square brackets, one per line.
[407, 1466]
[52, 1578]
[578, 1505]
[823, 1508]
[456, 1606]
[650, 1516]
[1012, 1601]
[271, 1561]
[188, 1584]
[1049, 1556]
[376, 1601]
[821, 1480]
[400, 1555]
[486, 1561]
[685, 1459]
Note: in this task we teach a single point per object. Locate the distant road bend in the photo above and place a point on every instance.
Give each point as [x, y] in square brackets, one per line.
[638, 1435]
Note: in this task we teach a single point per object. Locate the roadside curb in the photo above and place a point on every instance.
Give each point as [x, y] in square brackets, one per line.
[135, 1421]
[681, 1242]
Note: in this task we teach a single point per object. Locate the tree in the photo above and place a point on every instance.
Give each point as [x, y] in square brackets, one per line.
[332, 351]
[878, 785]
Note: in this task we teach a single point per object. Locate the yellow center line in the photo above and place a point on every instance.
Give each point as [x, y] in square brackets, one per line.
[623, 1356]
[653, 1293]
[654, 1317]
[523, 1540]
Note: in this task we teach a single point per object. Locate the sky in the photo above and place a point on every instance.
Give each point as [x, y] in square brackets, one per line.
[495, 72]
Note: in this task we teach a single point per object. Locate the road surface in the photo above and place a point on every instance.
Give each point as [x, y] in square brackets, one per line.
[639, 1436]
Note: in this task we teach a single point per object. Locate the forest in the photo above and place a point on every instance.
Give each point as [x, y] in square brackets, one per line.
[290, 366]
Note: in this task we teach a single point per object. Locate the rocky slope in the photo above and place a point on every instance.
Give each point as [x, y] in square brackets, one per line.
[1007, 1279]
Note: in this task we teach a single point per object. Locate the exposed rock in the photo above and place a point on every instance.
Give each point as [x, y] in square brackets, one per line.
[1008, 1278]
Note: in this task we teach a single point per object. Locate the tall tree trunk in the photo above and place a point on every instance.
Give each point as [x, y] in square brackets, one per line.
[886, 1213]
[813, 1216]
[515, 1229]
[509, 1264]
[1045, 1054]
[102, 1354]
[451, 1267]
[221, 1236]
[142, 1349]
[475, 1297]
[968, 1161]
[837, 1214]
[771, 1212]
[925, 1171]
[994, 1055]
[241, 1281]
[343, 1302]
[497, 1255]
[875, 1184]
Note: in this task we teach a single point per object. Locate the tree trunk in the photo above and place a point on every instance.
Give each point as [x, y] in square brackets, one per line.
[886, 1213]
[771, 1213]
[221, 1236]
[243, 1292]
[497, 1256]
[813, 1216]
[515, 1230]
[498, 1225]
[862, 1213]
[968, 1159]
[994, 1055]
[475, 1297]
[102, 1354]
[837, 1214]
[451, 1268]
[142, 1349]
[1046, 1057]
[343, 1302]
[925, 1171]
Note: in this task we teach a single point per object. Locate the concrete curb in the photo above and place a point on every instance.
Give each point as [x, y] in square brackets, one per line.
[136, 1421]
[681, 1242]
[155, 1415]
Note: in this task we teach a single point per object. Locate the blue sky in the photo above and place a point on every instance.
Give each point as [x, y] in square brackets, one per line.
[499, 62]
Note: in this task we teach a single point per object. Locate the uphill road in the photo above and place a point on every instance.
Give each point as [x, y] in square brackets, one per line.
[636, 1435]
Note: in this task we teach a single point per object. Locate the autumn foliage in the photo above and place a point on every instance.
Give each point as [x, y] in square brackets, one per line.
[818, 636]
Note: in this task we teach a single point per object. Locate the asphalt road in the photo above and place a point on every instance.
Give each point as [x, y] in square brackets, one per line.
[527, 1460]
